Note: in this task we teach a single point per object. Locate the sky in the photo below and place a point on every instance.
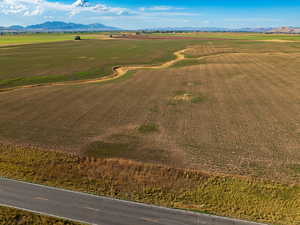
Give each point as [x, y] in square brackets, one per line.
[138, 14]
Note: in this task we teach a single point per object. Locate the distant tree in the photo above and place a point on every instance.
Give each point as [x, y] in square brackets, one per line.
[77, 38]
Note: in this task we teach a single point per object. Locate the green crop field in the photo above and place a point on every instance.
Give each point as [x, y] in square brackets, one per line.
[12, 39]
[78, 60]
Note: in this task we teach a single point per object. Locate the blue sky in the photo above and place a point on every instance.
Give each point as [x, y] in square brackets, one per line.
[154, 13]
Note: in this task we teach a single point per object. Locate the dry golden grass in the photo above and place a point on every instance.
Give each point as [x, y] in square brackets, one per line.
[9, 216]
[238, 197]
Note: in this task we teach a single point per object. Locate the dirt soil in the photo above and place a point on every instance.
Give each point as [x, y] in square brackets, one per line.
[244, 118]
[149, 37]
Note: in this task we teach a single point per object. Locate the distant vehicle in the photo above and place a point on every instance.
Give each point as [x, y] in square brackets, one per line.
[77, 38]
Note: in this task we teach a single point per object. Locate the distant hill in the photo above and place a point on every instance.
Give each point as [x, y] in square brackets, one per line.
[62, 26]
[16, 27]
[286, 30]
[258, 30]
[57, 25]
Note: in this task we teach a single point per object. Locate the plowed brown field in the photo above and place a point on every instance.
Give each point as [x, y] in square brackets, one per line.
[235, 112]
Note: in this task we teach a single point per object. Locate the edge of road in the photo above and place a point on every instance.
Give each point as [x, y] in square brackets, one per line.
[182, 211]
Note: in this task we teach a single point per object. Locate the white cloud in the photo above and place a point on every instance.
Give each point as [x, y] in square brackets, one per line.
[80, 3]
[159, 8]
[38, 7]
[48, 17]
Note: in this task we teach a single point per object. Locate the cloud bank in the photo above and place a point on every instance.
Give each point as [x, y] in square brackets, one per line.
[132, 16]
[38, 7]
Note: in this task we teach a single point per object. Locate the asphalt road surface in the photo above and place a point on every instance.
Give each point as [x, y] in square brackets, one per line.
[92, 209]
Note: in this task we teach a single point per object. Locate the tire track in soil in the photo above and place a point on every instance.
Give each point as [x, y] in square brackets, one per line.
[250, 90]
[278, 117]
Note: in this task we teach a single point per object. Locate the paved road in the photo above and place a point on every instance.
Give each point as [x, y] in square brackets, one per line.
[92, 209]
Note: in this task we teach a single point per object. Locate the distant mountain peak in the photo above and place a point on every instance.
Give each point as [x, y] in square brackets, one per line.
[290, 30]
[59, 25]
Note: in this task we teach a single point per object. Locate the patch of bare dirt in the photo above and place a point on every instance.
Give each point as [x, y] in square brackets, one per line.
[279, 40]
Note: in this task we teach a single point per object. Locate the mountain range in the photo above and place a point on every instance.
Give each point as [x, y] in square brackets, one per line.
[290, 30]
[61, 26]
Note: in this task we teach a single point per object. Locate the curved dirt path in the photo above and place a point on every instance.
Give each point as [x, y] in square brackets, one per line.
[118, 71]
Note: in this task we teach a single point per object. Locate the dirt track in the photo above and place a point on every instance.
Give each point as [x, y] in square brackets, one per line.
[118, 71]
[121, 71]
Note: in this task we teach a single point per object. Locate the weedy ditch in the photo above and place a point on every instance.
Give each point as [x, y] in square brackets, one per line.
[245, 198]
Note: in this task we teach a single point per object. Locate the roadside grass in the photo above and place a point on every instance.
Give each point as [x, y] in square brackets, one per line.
[10, 216]
[239, 197]
[106, 150]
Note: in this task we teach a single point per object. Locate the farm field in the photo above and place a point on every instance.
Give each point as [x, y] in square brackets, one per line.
[237, 35]
[230, 106]
[79, 60]
[20, 39]
[222, 120]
